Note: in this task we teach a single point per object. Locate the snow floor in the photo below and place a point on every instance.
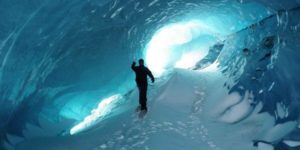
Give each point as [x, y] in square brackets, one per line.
[191, 110]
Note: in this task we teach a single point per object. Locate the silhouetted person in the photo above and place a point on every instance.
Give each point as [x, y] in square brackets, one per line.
[141, 73]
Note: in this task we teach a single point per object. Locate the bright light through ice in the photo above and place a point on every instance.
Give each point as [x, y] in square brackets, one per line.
[188, 60]
[211, 68]
[159, 49]
[103, 109]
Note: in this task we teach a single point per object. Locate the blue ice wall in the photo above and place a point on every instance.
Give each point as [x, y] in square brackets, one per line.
[58, 59]
[268, 52]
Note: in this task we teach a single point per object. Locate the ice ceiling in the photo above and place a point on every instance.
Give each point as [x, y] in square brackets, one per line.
[70, 60]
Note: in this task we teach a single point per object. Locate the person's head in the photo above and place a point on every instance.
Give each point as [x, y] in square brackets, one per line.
[141, 62]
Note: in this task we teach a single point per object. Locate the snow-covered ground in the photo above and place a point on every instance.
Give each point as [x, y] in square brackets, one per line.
[190, 110]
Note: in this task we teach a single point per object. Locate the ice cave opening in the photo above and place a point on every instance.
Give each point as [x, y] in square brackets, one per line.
[226, 74]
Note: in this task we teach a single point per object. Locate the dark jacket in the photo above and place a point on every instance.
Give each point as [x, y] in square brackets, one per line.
[141, 73]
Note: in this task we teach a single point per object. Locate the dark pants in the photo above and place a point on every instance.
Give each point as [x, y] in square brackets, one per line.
[143, 95]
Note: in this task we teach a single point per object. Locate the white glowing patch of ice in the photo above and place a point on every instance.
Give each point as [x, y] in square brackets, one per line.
[265, 146]
[292, 143]
[211, 68]
[189, 60]
[227, 102]
[103, 109]
[159, 49]
[234, 107]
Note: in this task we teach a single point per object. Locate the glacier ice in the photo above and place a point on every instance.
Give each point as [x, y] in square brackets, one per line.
[225, 70]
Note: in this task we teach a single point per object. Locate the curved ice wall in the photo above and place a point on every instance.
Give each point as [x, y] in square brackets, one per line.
[58, 59]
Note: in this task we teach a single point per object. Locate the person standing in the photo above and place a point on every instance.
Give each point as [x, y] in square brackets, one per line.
[141, 74]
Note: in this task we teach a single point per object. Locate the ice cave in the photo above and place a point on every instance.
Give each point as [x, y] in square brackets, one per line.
[227, 74]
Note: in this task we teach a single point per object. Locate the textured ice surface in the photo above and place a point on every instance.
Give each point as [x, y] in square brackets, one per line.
[60, 59]
[179, 116]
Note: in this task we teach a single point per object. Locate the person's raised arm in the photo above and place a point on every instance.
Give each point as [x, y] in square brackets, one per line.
[149, 73]
[133, 67]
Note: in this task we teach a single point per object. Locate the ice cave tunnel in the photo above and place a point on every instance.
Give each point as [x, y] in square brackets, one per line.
[227, 74]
